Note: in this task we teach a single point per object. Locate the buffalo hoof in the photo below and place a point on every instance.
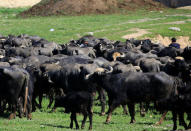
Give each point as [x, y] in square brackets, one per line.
[90, 128]
[174, 128]
[33, 109]
[189, 126]
[132, 121]
[21, 115]
[82, 127]
[29, 117]
[77, 127]
[12, 116]
[125, 113]
[102, 113]
[157, 124]
[142, 114]
[53, 110]
[71, 126]
[108, 120]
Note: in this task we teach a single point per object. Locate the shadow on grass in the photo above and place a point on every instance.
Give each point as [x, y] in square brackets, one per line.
[114, 113]
[57, 126]
[4, 115]
[97, 113]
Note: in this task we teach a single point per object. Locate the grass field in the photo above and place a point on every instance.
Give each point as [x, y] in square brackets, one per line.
[111, 26]
[57, 121]
[72, 27]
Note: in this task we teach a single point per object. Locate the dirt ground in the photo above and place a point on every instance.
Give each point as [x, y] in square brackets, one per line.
[185, 7]
[138, 33]
[81, 7]
[18, 3]
[182, 40]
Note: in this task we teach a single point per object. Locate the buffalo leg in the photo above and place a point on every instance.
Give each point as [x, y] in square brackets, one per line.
[51, 97]
[84, 120]
[72, 119]
[102, 98]
[131, 107]
[29, 115]
[20, 107]
[4, 105]
[125, 110]
[90, 118]
[181, 120]
[75, 120]
[40, 101]
[1, 106]
[147, 106]
[189, 118]
[142, 109]
[161, 119]
[50, 102]
[112, 106]
[13, 114]
[34, 102]
[174, 115]
[189, 125]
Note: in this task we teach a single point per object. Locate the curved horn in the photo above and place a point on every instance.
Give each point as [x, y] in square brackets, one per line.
[97, 70]
[179, 58]
[115, 55]
[122, 54]
[112, 47]
[110, 70]
[88, 76]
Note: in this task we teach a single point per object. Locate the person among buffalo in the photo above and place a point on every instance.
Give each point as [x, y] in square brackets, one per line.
[174, 44]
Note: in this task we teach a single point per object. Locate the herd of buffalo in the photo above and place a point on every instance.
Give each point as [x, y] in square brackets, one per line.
[130, 72]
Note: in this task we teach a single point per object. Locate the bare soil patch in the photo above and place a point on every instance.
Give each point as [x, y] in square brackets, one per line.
[17, 3]
[182, 40]
[138, 33]
[81, 7]
[185, 8]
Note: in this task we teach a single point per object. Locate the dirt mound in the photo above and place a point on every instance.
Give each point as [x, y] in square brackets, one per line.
[185, 8]
[182, 40]
[81, 7]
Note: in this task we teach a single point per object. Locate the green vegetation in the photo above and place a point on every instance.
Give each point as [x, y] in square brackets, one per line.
[111, 26]
[57, 121]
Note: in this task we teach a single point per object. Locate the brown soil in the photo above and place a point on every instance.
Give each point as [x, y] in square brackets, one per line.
[185, 8]
[139, 33]
[81, 7]
[182, 40]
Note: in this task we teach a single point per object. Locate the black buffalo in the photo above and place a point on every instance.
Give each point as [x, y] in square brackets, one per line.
[132, 87]
[77, 102]
[16, 83]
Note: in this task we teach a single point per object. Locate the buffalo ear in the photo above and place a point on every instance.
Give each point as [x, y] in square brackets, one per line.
[91, 62]
[81, 67]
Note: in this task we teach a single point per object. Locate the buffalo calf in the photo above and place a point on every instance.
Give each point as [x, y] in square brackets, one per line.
[77, 102]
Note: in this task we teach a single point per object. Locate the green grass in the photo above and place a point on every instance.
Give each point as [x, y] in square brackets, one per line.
[111, 26]
[57, 121]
